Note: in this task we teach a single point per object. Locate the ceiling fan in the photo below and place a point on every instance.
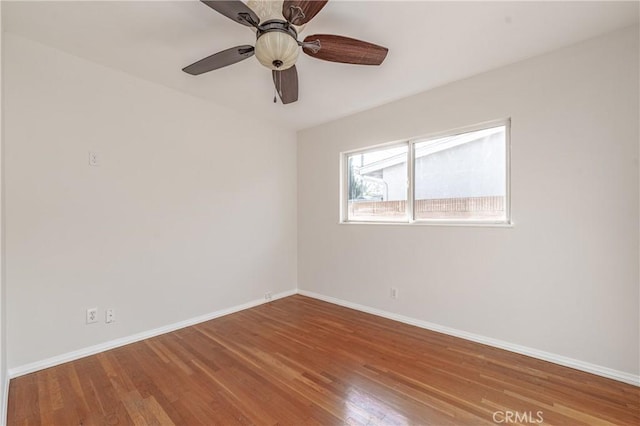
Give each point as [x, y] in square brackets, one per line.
[277, 41]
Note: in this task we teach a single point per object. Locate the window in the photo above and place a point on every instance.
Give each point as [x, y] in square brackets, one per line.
[377, 184]
[461, 177]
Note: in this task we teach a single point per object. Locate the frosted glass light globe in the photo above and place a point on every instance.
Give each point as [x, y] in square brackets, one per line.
[277, 48]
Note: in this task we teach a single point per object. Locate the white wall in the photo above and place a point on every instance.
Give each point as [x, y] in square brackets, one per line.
[191, 210]
[3, 323]
[564, 279]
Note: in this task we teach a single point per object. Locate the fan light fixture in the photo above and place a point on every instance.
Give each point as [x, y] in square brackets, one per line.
[277, 47]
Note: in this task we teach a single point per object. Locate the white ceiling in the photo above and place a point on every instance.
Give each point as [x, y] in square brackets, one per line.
[430, 44]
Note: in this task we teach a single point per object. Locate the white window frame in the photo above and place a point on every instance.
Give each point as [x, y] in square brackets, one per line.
[344, 182]
[410, 213]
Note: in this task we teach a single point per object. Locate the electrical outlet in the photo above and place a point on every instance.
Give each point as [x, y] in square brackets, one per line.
[394, 292]
[109, 316]
[92, 315]
[93, 159]
[268, 296]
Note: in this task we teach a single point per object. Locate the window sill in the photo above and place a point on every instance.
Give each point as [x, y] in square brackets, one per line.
[434, 223]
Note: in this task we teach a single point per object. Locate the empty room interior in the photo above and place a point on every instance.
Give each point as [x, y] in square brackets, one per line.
[320, 213]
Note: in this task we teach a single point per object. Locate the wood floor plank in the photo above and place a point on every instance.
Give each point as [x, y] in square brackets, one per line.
[300, 361]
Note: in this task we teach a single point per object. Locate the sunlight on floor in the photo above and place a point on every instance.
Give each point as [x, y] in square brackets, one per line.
[364, 409]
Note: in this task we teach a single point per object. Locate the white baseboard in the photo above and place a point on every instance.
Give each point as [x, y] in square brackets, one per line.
[534, 353]
[91, 350]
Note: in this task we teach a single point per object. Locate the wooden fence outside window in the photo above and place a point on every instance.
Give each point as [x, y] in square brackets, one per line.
[440, 208]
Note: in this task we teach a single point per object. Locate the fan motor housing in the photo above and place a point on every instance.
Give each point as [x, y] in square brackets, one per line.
[277, 46]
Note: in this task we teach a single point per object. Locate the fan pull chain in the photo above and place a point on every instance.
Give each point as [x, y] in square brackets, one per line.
[274, 95]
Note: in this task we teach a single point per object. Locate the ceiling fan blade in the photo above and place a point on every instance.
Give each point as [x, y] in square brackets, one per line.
[220, 59]
[300, 12]
[236, 11]
[343, 49]
[286, 83]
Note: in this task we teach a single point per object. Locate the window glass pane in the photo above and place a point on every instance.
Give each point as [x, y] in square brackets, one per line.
[377, 184]
[462, 177]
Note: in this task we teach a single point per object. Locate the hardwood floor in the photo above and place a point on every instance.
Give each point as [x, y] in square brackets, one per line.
[301, 361]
